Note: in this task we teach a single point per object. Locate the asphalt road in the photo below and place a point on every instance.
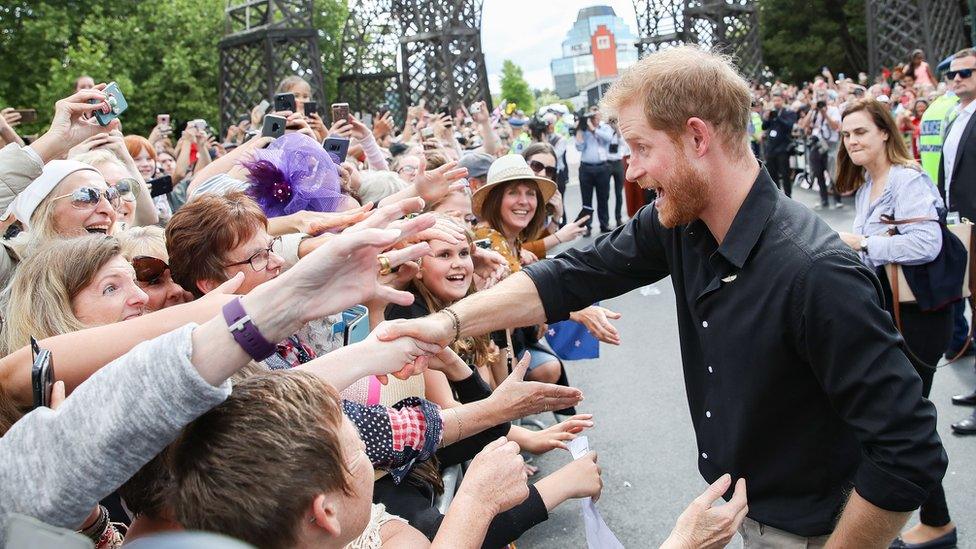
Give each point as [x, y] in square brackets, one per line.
[643, 431]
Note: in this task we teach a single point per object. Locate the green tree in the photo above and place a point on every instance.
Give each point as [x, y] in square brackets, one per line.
[799, 37]
[163, 55]
[514, 87]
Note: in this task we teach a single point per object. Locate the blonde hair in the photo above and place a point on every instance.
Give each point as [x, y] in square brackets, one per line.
[98, 157]
[45, 284]
[686, 82]
[150, 240]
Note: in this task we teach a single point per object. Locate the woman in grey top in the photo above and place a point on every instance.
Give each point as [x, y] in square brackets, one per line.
[875, 163]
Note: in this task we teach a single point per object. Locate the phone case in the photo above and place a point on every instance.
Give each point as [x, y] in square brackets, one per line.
[116, 102]
[337, 147]
[284, 102]
[274, 126]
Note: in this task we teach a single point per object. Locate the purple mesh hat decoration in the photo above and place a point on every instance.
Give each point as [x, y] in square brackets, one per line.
[294, 173]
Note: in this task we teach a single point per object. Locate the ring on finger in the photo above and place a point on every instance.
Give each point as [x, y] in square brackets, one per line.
[385, 266]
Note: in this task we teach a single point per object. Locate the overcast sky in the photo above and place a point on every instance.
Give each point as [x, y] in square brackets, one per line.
[530, 33]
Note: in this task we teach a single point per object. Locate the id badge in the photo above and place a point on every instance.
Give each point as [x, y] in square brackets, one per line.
[952, 218]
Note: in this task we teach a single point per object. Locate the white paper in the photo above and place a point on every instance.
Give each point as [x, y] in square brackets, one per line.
[598, 534]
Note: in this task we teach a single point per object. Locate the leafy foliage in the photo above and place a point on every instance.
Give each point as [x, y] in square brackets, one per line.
[800, 37]
[163, 55]
[514, 87]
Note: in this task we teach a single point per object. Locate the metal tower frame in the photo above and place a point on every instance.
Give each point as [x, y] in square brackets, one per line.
[265, 41]
[370, 75]
[725, 26]
[896, 27]
[440, 52]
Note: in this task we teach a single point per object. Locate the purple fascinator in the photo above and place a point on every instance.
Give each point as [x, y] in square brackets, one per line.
[294, 173]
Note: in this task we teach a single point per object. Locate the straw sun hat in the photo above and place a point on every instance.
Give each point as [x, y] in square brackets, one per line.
[511, 167]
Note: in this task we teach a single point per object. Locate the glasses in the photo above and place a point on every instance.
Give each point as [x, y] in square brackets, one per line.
[259, 260]
[125, 186]
[148, 269]
[87, 198]
[963, 73]
[407, 169]
[539, 167]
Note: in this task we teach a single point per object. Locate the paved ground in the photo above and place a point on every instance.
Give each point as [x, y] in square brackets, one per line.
[643, 430]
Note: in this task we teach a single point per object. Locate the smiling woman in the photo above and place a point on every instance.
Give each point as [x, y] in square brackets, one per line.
[69, 285]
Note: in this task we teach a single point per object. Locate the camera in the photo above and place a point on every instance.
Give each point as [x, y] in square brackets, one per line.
[821, 104]
[582, 116]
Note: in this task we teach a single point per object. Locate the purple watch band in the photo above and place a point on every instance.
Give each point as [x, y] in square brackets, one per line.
[245, 332]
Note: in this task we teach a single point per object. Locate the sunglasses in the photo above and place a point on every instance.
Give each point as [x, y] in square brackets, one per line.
[963, 73]
[148, 269]
[87, 198]
[125, 186]
[540, 167]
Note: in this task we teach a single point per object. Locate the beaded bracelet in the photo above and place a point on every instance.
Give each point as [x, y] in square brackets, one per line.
[457, 323]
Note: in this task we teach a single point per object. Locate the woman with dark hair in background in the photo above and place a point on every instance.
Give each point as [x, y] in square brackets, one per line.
[874, 162]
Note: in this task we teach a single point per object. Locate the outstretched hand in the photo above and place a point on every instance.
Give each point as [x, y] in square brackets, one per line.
[433, 185]
[523, 398]
[73, 123]
[705, 526]
[597, 321]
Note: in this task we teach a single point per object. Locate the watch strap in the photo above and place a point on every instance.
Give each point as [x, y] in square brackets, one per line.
[245, 333]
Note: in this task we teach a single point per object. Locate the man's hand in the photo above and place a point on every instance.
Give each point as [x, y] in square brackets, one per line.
[519, 398]
[437, 328]
[597, 322]
[527, 258]
[403, 357]
[496, 477]
[70, 126]
[704, 526]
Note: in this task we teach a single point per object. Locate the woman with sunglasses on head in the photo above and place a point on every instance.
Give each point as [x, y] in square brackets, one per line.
[145, 249]
[68, 285]
[68, 199]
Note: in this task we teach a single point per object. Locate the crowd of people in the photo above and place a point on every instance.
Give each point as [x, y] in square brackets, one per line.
[191, 331]
[251, 335]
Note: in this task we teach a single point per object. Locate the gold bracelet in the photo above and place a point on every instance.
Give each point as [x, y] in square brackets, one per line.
[457, 323]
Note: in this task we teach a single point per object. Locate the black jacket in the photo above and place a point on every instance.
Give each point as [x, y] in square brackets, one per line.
[778, 125]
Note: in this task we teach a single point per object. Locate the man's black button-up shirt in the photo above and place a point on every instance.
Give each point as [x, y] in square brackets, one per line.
[794, 371]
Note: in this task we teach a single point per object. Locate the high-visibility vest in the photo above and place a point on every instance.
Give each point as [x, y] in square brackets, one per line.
[937, 116]
[755, 125]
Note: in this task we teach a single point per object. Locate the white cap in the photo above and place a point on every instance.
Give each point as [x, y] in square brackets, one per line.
[883, 98]
[27, 201]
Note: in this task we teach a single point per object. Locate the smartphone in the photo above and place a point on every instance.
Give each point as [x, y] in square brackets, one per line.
[311, 107]
[274, 126]
[263, 107]
[162, 120]
[27, 115]
[484, 243]
[338, 147]
[285, 102]
[199, 124]
[340, 111]
[427, 133]
[42, 375]
[24, 531]
[586, 211]
[160, 186]
[475, 108]
[450, 117]
[116, 103]
[356, 319]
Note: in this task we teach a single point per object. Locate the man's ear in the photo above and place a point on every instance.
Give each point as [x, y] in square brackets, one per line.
[207, 285]
[325, 515]
[701, 135]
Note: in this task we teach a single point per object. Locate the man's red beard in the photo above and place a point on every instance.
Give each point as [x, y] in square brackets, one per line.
[682, 195]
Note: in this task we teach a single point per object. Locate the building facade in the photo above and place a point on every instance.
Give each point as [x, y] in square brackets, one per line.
[599, 45]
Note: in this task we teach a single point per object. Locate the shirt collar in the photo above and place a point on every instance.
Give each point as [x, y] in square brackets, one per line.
[750, 220]
[968, 109]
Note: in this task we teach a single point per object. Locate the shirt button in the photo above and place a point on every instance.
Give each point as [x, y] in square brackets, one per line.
[708, 414]
[704, 324]
[704, 455]
[710, 370]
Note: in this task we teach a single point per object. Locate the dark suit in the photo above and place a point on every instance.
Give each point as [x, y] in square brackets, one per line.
[962, 199]
[778, 126]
